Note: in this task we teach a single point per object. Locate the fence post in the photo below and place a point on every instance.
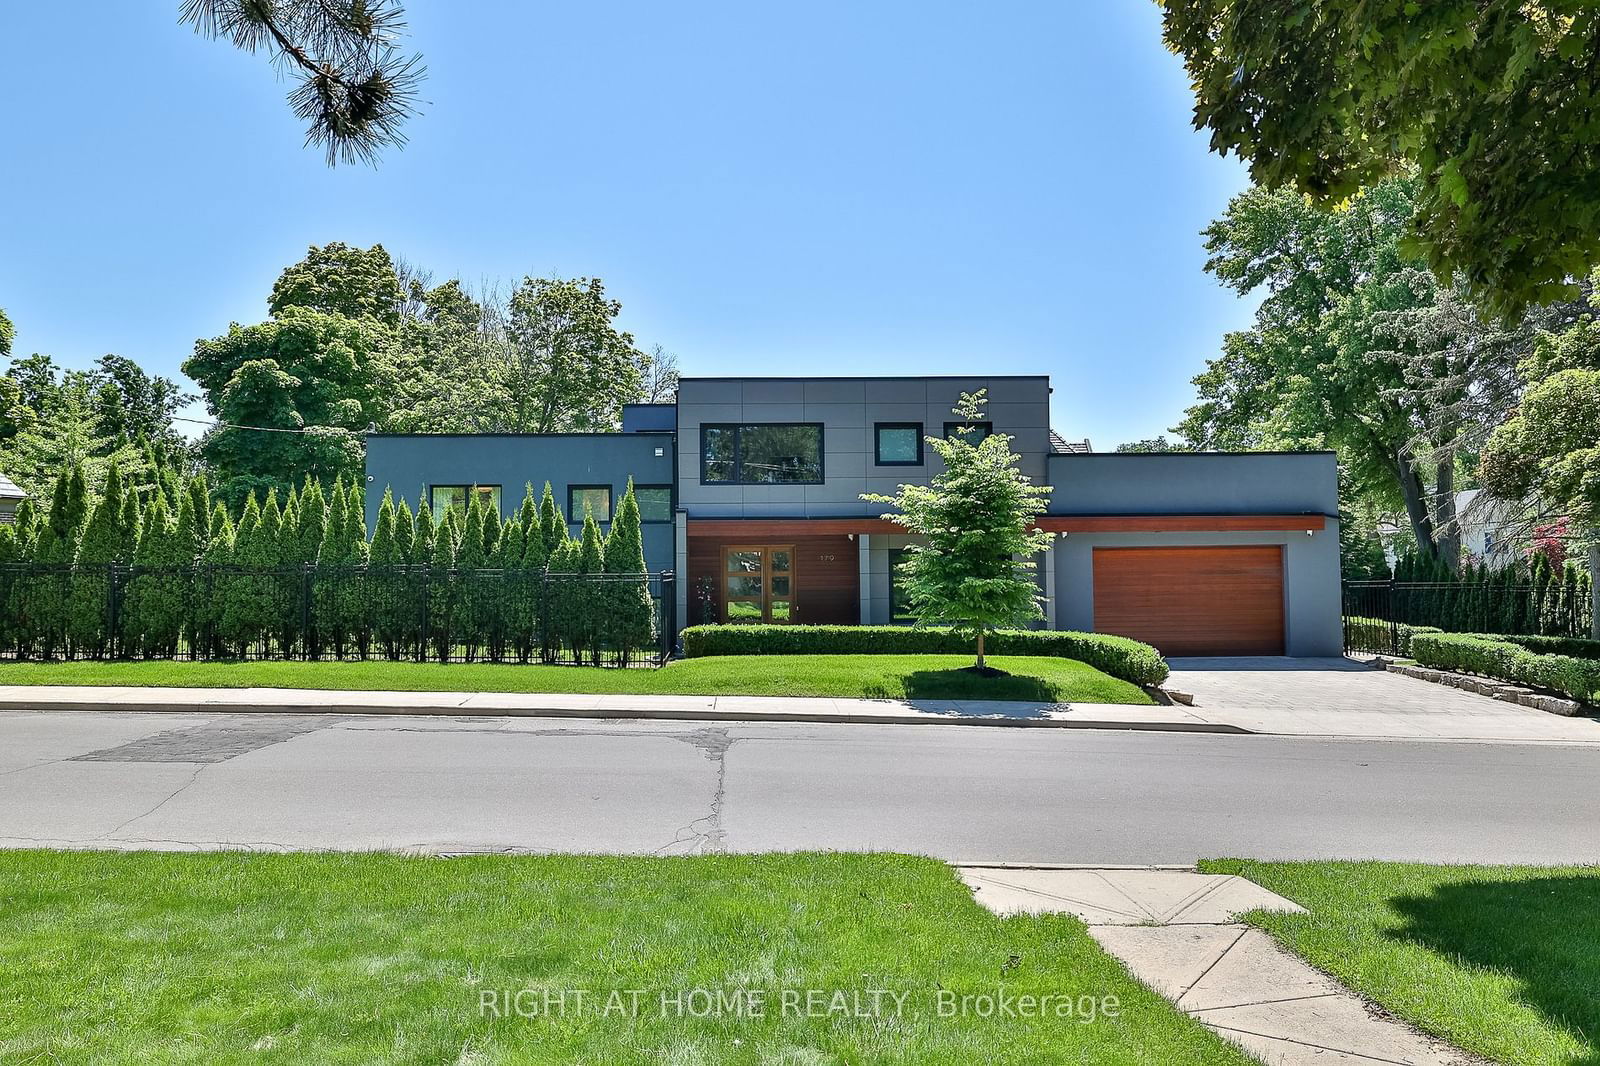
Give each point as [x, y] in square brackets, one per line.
[111, 611]
[422, 624]
[305, 610]
[1394, 627]
[669, 614]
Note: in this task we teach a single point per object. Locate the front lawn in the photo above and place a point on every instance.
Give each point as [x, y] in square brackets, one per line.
[931, 677]
[363, 958]
[1499, 960]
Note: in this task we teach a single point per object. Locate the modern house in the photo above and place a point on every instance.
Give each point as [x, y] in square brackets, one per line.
[750, 489]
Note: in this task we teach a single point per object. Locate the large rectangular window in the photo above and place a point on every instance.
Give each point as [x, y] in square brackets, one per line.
[596, 498]
[775, 453]
[655, 502]
[898, 443]
[443, 496]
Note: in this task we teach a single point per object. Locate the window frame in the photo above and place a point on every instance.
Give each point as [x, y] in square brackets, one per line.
[496, 494]
[988, 429]
[670, 501]
[574, 514]
[877, 443]
[738, 452]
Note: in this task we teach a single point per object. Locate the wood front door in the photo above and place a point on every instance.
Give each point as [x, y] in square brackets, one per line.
[758, 583]
[1193, 601]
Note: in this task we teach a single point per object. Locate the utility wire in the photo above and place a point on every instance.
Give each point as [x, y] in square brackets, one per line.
[258, 429]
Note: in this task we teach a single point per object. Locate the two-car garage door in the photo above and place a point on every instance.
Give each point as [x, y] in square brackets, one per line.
[1193, 601]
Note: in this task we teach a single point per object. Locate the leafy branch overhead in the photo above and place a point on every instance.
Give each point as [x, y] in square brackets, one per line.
[354, 89]
[1494, 103]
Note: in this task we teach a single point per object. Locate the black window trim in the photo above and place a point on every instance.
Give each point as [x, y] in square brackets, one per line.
[611, 504]
[671, 501]
[877, 443]
[951, 427]
[738, 452]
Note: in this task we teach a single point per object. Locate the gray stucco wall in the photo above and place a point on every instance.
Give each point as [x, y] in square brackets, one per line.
[1195, 483]
[411, 464]
[848, 409]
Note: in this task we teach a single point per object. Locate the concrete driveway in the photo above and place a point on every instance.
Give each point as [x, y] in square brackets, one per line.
[1344, 697]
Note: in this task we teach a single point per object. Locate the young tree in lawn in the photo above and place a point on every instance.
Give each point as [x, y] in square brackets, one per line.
[630, 620]
[973, 569]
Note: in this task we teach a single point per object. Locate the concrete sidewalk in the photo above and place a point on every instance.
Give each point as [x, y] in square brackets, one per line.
[1175, 931]
[1460, 718]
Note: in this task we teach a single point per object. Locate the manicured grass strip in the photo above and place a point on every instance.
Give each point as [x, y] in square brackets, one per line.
[366, 958]
[931, 677]
[1503, 961]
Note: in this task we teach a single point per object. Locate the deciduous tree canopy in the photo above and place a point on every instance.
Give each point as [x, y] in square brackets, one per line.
[1495, 103]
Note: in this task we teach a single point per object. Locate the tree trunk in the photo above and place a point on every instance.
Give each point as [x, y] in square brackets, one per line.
[1446, 530]
[1411, 491]
[980, 649]
[1594, 586]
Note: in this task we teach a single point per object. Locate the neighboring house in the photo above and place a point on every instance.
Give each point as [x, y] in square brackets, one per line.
[1199, 553]
[11, 498]
[1490, 528]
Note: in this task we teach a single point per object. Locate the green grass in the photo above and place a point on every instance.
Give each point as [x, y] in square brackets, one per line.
[871, 676]
[1499, 960]
[373, 958]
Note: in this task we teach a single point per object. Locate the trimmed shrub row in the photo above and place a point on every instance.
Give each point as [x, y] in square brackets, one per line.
[1120, 657]
[1499, 657]
[1577, 647]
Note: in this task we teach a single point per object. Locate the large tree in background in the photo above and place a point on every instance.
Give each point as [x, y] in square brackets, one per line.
[7, 332]
[352, 87]
[342, 279]
[1547, 454]
[293, 397]
[568, 367]
[1358, 347]
[1496, 103]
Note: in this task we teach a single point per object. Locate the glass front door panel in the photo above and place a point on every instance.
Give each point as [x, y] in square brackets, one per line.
[758, 584]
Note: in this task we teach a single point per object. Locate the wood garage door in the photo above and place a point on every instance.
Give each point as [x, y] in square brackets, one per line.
[1193, 601]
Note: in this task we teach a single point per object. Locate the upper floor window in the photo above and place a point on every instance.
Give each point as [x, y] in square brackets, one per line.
[443, 496]
[655, 502]
[899, 443]
[774, 453]
[972, 432]
[597, 498]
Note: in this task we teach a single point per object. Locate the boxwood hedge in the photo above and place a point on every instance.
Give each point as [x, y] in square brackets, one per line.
[1120, 657]
[1577, 647]
[1507, 659]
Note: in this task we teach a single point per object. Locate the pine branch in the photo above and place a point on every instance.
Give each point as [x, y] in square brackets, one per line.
[354, 91]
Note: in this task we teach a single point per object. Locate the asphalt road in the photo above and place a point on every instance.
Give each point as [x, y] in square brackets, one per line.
[957, 792]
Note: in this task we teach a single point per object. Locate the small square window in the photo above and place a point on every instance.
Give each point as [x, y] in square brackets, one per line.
[899, 443]
[973, 433]
[655, 502]
[596, 498]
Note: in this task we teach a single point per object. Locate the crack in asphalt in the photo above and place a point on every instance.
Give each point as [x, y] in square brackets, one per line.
[705, 834]
[174, 795]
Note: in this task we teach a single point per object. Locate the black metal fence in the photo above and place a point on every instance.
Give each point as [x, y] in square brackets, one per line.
[1378, 615]
[397, 613]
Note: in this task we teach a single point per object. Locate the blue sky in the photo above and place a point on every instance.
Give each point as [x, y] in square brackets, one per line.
[828, 188]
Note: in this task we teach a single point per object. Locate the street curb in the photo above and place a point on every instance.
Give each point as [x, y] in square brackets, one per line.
[624, 714]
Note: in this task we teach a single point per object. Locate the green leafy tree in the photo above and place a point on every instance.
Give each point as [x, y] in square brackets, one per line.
[340, 279]
[1490, 103]
[104, 542]
[293, 397]
[630, 619]
[973, 569]
[442, 586]
[569, 367]
[1548, 451]
[352, 88]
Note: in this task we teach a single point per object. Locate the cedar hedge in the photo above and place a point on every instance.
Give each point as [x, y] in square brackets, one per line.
[1507, 659]
[1120, 657]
